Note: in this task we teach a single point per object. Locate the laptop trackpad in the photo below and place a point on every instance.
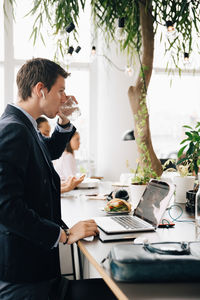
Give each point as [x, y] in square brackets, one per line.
[106, 223]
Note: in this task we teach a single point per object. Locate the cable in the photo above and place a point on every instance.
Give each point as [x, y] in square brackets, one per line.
[180, 214]
[111, 62]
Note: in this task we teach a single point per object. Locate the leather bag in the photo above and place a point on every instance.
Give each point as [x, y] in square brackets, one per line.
[156, 262]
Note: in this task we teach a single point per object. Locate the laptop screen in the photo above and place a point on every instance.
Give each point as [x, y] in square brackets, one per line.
[153, 202]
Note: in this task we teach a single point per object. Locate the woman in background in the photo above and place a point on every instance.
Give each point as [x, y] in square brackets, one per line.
[66, 164]
[70, 182]
[43, 126]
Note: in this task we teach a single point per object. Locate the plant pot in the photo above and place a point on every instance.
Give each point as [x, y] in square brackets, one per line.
[136, 192]
[183, 184]
[190, 203]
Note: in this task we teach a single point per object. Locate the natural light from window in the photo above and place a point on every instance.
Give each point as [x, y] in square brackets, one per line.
[78, 83]
[1, 31]
[23, 46]
[173, 100]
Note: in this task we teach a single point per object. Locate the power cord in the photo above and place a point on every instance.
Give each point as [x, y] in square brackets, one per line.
[176, 219]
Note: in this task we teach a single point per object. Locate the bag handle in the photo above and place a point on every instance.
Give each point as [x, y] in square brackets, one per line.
[184, 246]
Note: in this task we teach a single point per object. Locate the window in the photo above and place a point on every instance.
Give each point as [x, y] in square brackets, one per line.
[170, 108]
[173, 101]
[20, 48]
[1, 88]
[23, 46]
[78, 84]
[1, 32]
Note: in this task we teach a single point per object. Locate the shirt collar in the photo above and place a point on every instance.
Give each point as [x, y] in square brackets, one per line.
[32, 120]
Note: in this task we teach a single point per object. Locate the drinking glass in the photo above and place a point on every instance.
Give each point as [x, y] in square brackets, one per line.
[70, 109]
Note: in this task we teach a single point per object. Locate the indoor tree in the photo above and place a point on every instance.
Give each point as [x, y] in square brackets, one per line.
[136, 38]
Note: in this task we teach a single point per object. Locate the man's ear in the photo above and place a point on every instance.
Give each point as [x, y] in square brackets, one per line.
[39, 90]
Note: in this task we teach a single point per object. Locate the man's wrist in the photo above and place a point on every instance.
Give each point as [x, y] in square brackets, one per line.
[67, 232]
[66, 125]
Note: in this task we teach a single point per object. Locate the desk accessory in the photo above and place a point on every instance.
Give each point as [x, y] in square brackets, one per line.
[197, 215]
[96, 197]
[190, 201]
[106, 238]
[121, 194]
[156, 262]
[166, 225]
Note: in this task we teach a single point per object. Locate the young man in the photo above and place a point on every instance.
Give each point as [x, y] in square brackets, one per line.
[30, 217]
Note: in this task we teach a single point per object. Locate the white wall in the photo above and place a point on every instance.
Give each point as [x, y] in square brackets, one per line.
[111, 117]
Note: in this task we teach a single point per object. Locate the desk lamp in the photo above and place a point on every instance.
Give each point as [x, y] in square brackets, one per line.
[128, 135]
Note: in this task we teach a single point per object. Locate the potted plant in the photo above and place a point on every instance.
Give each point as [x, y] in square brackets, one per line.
[139, 182]
[181, 176]
[190, 152]
[189, 160]
[184, 181]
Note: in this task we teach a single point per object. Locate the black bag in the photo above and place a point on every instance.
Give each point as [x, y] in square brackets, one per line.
[156, 262]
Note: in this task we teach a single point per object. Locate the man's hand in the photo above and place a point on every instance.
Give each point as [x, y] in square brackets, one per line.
[63, 237]
[71, 183]
[81, 230]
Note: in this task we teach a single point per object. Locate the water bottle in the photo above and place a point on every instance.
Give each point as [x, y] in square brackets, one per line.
[197, 215]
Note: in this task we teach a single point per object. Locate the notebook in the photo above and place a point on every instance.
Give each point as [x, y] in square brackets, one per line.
[147, 214]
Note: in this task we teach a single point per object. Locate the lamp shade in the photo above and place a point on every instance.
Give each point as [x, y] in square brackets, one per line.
[128, 135]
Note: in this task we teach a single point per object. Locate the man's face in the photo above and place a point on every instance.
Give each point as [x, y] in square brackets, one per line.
[54, 98]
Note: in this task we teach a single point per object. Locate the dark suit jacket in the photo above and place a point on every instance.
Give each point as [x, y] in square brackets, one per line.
[29, 200]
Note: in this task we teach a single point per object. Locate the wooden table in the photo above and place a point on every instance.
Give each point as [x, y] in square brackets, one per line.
[76, 207]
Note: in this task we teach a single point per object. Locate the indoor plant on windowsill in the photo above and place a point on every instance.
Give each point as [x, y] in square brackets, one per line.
[184, 181]
[139, 182]
[181, 177]
[189, 155]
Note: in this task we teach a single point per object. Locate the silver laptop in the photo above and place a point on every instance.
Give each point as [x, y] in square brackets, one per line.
[147, 214]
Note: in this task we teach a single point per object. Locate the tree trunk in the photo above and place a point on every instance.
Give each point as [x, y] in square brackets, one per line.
[137, 94]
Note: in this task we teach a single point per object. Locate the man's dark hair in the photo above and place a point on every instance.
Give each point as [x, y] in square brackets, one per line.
[38, 70]
[40, 120]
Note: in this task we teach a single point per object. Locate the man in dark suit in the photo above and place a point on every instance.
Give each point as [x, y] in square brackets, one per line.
[30, 217]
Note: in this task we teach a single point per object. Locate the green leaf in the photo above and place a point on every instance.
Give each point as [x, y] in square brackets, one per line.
[184, 141]
[189, 134]
[42, 39]
[191, 149]
[186, 126]
[182, 160]
[180, 152]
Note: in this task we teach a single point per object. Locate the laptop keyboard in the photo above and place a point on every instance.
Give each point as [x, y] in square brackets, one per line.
[129, 222]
